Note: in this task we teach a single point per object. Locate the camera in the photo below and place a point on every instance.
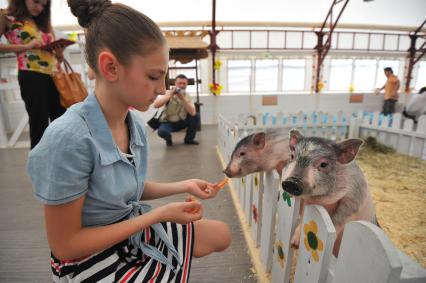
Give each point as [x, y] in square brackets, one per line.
[178, 91]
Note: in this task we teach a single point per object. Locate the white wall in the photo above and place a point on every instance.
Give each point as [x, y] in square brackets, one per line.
[230, 105]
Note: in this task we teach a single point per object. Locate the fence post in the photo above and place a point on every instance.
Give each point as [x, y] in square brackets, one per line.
[354, 127]
[367, 255]
[287, 218]
[258, 185]
[270, 195]
[316, 245]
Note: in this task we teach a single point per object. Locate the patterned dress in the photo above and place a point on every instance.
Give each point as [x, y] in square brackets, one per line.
[22, 32]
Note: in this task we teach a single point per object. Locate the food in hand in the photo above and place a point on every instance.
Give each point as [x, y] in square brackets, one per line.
[222, 183]
[195, 210]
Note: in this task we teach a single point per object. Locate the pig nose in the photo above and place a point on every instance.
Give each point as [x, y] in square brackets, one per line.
[292, 186]
[227, 173]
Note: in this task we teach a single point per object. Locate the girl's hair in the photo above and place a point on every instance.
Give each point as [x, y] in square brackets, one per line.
[18, 9]
[117, 27]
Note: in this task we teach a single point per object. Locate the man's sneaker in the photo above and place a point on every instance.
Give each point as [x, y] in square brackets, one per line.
[192, 142]
[169, 142]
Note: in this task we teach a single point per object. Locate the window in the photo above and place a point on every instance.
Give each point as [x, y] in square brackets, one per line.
[364, 74]
[340, 74]
[421, 75]
[266, 75]
[239, 75]
[294, 74]
[381, 78]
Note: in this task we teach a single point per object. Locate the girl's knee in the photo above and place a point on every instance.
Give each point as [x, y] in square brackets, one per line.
[225, 238]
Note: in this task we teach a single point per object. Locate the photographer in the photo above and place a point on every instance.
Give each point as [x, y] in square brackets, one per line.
[179, 113]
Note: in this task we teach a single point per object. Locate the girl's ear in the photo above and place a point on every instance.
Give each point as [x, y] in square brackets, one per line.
[108, 66]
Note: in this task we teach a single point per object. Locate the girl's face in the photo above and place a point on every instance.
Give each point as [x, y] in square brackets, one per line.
[35, 7]
[144, 79]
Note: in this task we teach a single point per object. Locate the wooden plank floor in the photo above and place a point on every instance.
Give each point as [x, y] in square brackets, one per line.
[24, 253]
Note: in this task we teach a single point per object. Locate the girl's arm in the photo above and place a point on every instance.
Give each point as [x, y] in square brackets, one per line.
[4, 48]
[196, 187]
[69, 240]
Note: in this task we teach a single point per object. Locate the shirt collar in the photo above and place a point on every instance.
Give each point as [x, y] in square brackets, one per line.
[99, 129]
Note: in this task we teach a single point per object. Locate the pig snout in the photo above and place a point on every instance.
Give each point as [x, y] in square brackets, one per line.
[292, 186]
[227, 172]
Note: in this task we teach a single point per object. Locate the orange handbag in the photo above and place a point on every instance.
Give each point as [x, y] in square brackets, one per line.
[69, 85]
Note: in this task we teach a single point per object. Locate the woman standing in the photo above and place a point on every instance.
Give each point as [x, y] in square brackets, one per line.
[26, 25]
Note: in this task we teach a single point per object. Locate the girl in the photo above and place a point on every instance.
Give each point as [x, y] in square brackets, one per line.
[26, 25]
[89, 168]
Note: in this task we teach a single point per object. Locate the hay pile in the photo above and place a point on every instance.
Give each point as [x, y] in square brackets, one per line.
[398, 185]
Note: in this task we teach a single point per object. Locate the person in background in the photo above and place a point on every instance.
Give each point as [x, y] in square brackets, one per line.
[416, 106]
[93, 183]
[391, 88]
[179, 113]
[26, 24]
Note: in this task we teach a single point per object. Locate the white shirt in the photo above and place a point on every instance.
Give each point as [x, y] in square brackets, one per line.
[416, 106]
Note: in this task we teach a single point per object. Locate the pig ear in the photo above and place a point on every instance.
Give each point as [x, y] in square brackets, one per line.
[295, 137]
[347, 150]
[259, 140]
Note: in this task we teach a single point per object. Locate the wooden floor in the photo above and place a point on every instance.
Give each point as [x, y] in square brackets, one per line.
[24, 254]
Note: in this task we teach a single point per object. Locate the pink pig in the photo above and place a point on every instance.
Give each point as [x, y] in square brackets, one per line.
[324, 173]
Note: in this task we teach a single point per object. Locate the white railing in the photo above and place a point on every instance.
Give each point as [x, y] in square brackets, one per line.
[366, 253]
[402, 135]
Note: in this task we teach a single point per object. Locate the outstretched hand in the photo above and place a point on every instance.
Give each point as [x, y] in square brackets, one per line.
[201, 189]
[180, 212]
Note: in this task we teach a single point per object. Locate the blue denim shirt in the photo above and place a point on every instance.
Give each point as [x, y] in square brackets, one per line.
[77, 156]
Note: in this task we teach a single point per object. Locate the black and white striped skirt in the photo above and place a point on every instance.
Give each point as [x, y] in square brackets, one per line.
[124, 263]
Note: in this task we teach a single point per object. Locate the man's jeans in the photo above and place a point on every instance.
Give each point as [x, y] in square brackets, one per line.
[190, 123]
[389, 107]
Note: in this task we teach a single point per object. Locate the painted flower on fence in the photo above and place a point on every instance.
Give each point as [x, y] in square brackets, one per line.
[256, 182]
[287, 198]
[313, 244]
[216, 88]
[243, 181]
[255, 214]
[280, 252]
[217, 64]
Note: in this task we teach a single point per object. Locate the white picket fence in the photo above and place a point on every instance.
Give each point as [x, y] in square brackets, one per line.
[366, 254]
[401, 135]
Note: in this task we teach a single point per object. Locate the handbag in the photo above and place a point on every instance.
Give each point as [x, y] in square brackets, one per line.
[154, 122]
[69, 85]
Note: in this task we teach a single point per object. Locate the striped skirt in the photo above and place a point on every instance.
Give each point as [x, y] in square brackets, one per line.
[125, 263]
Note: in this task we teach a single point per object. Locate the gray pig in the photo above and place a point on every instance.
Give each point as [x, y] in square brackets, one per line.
[262, 151]
[324, 173]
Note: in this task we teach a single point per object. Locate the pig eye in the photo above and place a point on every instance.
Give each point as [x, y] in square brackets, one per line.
[323, 164]
[292, 156]
[242, 154]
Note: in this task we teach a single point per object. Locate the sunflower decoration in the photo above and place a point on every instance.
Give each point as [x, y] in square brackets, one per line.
[321, 85]
[280, 252]
[256, 182]
[255, 214]
[215, 88]
[217, 64]
[351, 88]
[243, 181]
[287, 198]
[313, 244]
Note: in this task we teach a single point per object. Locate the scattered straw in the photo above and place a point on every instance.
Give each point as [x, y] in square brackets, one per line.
[398, 186]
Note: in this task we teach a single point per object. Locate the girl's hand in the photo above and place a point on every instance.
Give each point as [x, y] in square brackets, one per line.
[59, 53]
[201, 189]
[35, 43]
[180, 212]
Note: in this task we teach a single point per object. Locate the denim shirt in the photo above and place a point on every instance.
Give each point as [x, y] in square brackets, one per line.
[77, 157]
